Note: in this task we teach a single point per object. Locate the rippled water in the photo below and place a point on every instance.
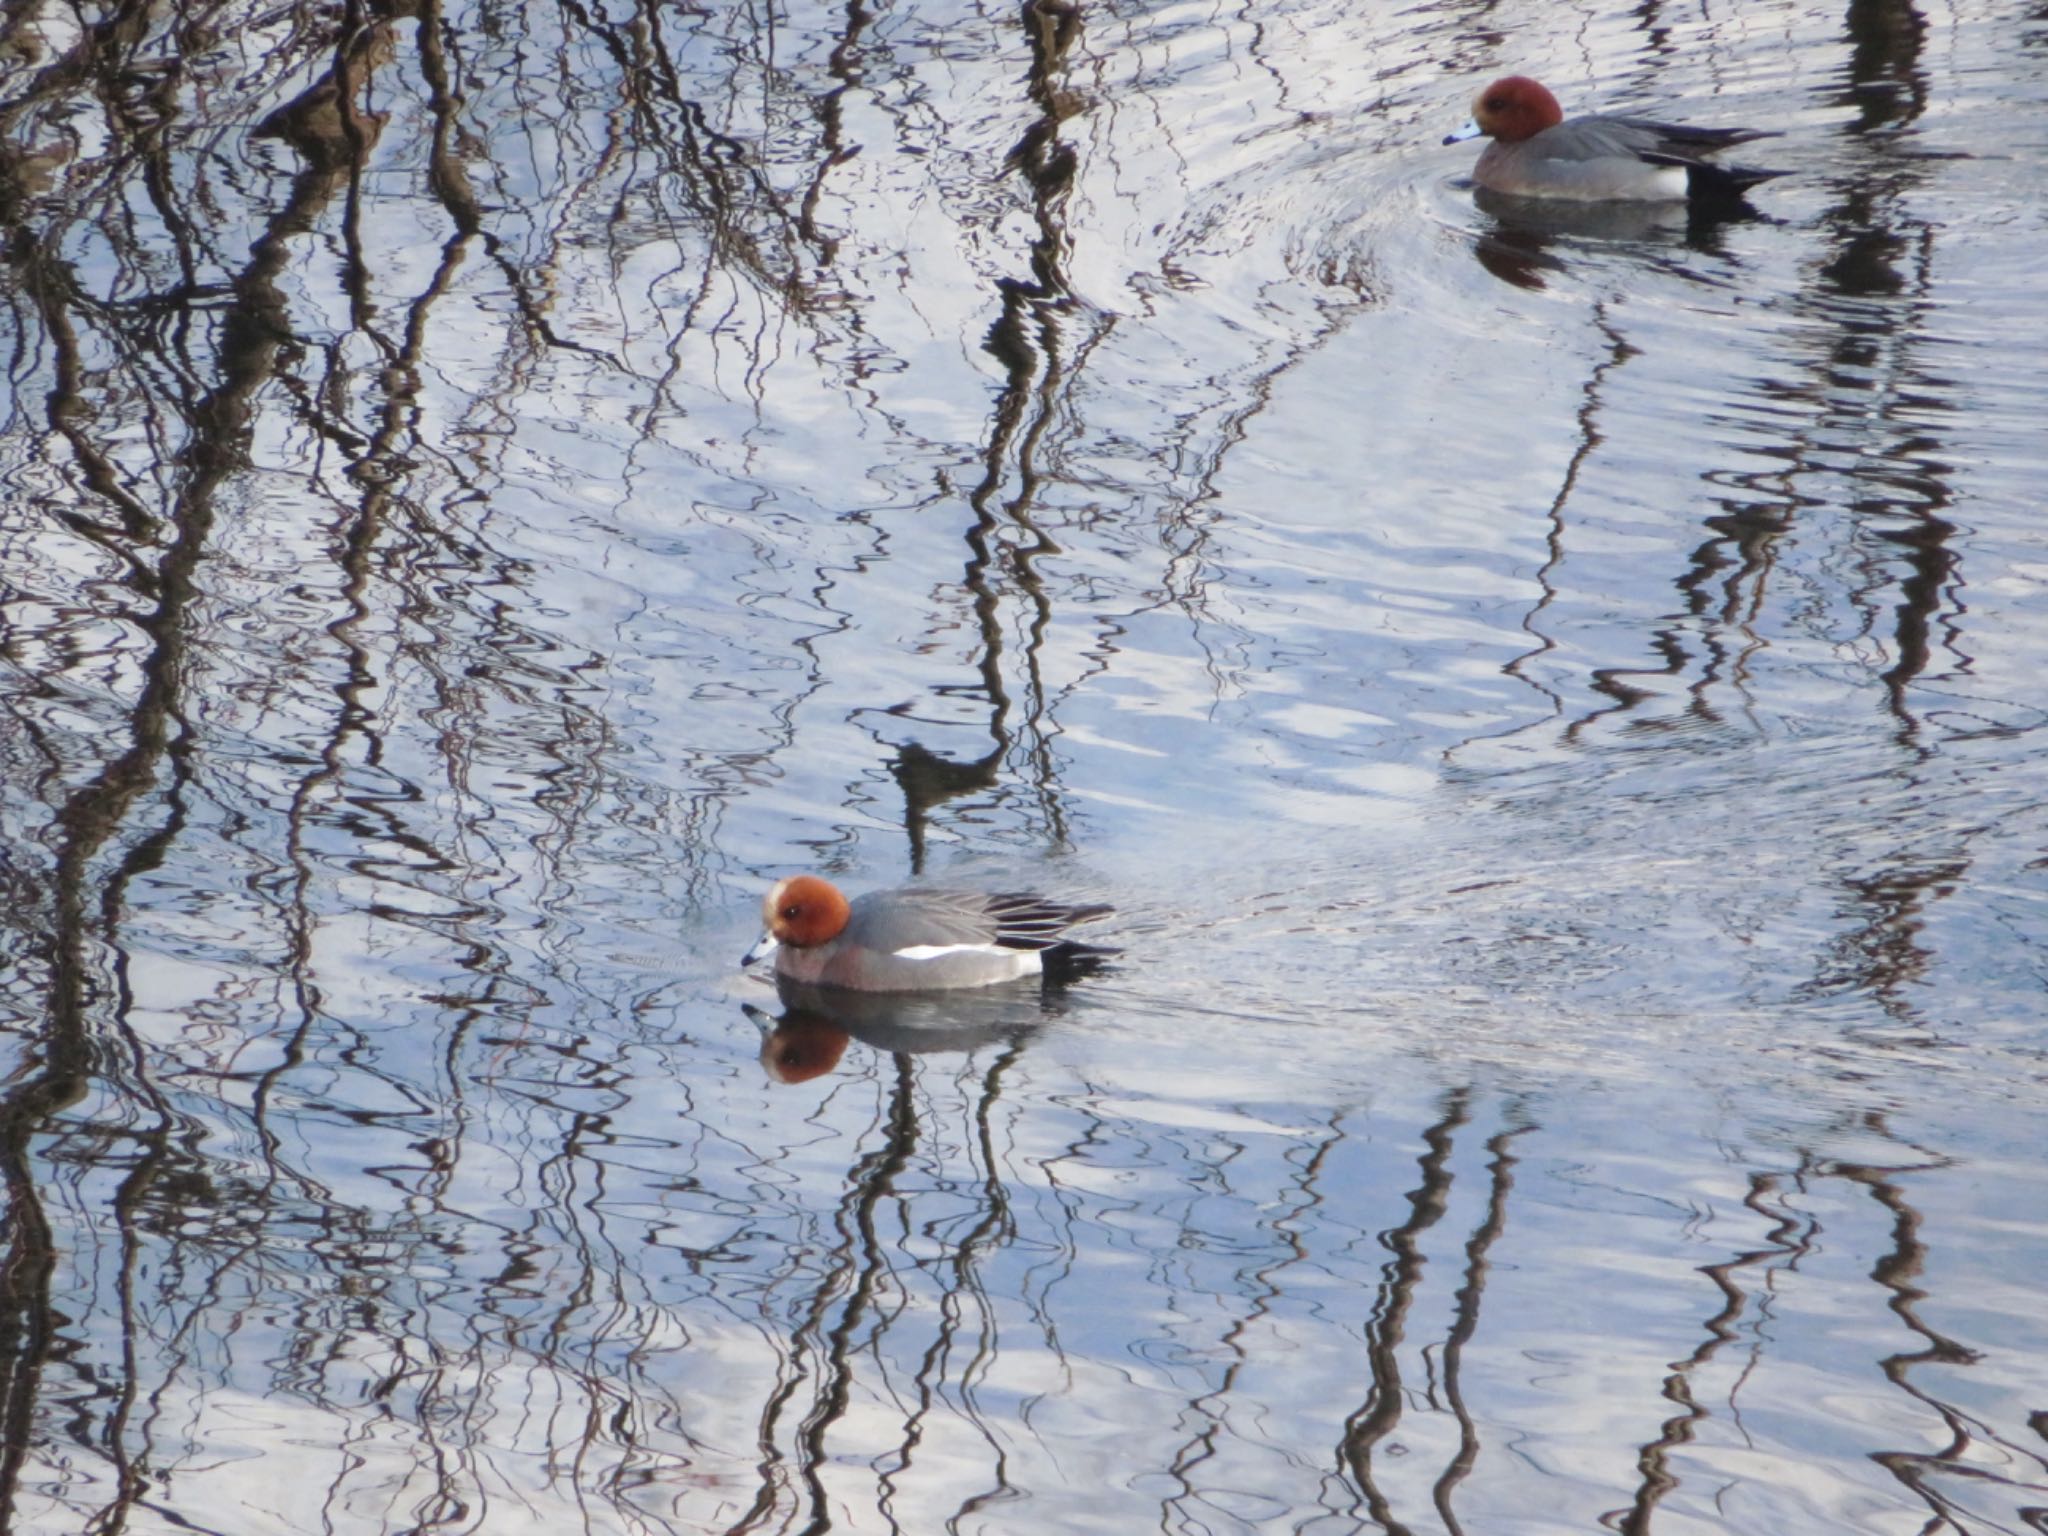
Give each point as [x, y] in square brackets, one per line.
[1555, 698]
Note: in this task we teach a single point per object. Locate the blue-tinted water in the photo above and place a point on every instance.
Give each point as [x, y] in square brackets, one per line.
[1552, 697]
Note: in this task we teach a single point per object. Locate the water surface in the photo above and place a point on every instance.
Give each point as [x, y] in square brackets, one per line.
[1554, 698]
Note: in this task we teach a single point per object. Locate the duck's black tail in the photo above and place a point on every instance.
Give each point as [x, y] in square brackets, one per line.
[1729, 180]
[1069, 961]
[1722, 190]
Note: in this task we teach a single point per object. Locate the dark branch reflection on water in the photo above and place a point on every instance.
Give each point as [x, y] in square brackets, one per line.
[1553, 698]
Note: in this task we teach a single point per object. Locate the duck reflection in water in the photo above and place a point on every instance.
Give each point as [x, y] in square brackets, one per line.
[816, 1024]
[1529, 239]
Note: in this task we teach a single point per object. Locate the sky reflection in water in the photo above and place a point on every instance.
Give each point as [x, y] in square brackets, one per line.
[1554, 700]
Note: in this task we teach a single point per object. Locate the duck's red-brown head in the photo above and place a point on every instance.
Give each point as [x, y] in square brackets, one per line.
[1515, 108]
[803, 911]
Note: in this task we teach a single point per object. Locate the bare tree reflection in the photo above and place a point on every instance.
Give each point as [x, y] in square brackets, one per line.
[85, 916]
[863, 1295]
[1876, 289]
[1899, 1272]
[1790, 1237]
[157, 351]
[1028, 338]
[1471, 1293]
[1376, 1419]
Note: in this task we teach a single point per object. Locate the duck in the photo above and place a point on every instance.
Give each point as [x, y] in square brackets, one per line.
[917, 938]
[1600, 158]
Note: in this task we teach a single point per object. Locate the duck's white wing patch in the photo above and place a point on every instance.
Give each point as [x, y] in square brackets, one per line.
[935, 951]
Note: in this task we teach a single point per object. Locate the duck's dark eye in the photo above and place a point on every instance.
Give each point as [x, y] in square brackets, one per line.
[791, 911]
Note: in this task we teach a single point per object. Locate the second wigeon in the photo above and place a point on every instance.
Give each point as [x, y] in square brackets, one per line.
[1603, 158]
[914, 939]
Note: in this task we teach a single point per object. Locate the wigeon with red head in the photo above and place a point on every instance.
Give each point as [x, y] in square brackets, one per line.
[1536, 153]
[916, 939]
